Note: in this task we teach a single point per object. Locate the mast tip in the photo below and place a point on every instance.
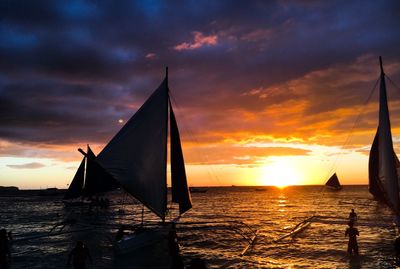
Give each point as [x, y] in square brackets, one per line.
[380, 63]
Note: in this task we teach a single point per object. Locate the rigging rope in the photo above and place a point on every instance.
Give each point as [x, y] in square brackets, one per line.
[347, 140]
[193, 138]
[392, 82]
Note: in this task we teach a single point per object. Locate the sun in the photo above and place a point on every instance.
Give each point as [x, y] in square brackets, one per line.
[280, 174]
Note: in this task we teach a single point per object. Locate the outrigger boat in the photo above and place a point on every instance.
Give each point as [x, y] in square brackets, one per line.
[137, 158]
[90, 180]
[383, 161]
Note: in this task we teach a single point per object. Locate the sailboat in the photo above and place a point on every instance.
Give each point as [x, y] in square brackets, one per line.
[383, 162]
[137, 158]
[90, 179]
[333, 183]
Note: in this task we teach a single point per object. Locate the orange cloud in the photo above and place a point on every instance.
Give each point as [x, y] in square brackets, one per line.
[199, 41]
[322, 106]
[230, 154]
[66, 153]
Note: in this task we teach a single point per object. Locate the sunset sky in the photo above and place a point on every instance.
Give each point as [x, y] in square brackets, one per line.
[265, 92]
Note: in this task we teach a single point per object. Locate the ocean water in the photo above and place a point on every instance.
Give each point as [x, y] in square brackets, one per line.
[216, 229]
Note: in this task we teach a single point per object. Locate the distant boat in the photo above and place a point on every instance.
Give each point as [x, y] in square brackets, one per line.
[333, 183]
[137, 158]
[383, 162]
[260, 189]
[90, 179]
[198, 190]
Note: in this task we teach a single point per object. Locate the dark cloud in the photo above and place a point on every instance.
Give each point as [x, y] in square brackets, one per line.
[70, 69]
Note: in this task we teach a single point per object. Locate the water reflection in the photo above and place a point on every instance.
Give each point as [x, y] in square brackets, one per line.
[217, 240]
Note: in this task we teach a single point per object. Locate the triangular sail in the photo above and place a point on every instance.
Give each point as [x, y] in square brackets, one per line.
[333, 182]
[180, 190]
[137, 155]
[375, 186]
[387, 174]
[97, 180]
[75, 188]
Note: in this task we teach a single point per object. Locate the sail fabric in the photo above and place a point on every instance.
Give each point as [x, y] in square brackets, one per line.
[137, 155]
[333, 181]
[97, 179]
[375, 186]
[387, 162]
[76, 186]
[180, 190]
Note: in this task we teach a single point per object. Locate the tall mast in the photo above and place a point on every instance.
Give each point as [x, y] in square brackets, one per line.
[166, 148]
[387, 160]
[166, 75]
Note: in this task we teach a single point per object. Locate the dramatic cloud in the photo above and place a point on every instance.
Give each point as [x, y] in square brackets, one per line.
[71, 73]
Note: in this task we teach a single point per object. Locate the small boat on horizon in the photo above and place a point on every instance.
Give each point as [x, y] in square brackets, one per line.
[260, 189]
[333, 183]
[198, 189]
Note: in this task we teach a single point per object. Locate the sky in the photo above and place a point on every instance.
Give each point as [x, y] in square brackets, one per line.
[265, 92]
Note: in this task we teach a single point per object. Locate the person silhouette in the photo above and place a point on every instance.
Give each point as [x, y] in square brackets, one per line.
[397, 249]
[173, 248]
[352, 232]
[197, 263]
[79, 254]
[5, 254]
[353, 216]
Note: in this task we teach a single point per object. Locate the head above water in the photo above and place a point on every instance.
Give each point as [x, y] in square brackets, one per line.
[351, 224]
[352, 210]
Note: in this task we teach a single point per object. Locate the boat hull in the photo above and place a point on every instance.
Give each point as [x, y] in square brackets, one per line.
[142, 238]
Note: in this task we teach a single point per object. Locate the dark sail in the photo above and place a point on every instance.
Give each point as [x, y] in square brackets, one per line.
[97, 179]
[180, 190]
[137, 155]
[333, 182]
[375, 186]
[388, 177]
[76, 186]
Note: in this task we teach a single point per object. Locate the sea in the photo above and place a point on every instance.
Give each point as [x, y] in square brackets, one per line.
[217, 229]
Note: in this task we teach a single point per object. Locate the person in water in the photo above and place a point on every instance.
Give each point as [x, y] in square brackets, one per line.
[352, 232]
[5, 254]
[397, 249]
[79, 255]
[120, 233]
[173, 248]
[197, 263]
[353, 216]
